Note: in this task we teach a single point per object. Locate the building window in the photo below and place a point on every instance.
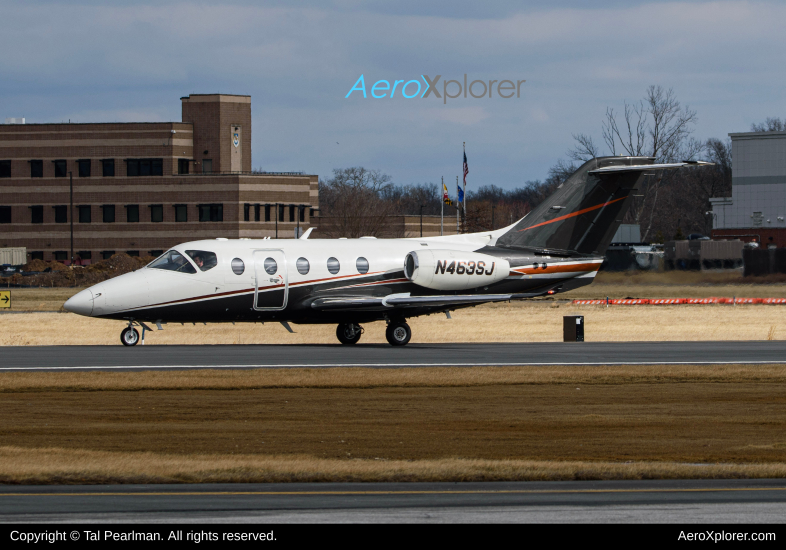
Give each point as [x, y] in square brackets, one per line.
[156, 213]
[61, 214]
[85, 214]
[109, 213]
[84, 168]
[291, 212]
[108, 168]
[85, 255]
[106, 254]
[211, 212]
[133, 253]
[5, 214]
[61, 168]
[302, 212]
[256, 212]
[181, 213]
[310, 212]
[36, 214]
[246, 212]
[144, 167]
[267, 212]
[132, 213]
[280, 213]
[5, 168]
[207, 166]
[38, 255]
[156, 253]
[182, 166]
[61, 256]
[36, 168]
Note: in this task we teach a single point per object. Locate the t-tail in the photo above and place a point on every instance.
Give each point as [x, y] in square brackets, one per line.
[583, 215]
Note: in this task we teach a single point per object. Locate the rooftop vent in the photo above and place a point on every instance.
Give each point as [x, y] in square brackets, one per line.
[15, 120]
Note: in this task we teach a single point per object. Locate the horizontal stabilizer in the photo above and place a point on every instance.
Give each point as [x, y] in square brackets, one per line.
[643, 167]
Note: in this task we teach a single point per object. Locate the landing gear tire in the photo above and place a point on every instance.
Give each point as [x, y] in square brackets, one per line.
[398, 334]
[129, 336]
[348, 333]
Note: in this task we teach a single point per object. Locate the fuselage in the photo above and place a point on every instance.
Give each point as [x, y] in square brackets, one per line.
[279, 280]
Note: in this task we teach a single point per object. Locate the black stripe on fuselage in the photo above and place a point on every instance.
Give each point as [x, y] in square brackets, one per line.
[238, 306]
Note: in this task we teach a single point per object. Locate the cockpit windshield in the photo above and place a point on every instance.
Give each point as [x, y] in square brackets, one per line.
[203, 259]
[173, 261]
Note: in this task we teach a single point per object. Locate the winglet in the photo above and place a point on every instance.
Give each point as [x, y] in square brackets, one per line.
[305, 235]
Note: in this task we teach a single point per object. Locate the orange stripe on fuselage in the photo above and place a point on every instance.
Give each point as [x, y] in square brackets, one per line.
[555, 268]
[574, 214]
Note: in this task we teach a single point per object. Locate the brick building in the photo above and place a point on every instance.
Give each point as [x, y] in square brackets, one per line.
[141, 188]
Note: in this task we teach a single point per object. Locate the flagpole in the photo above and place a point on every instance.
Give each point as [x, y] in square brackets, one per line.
[442, 210]
[465, 187]
[458, 209]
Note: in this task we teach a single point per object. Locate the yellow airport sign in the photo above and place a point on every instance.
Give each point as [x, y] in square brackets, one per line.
[5, 298]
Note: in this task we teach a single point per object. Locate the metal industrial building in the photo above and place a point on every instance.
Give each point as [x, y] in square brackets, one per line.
[756, 210]
[141, 188]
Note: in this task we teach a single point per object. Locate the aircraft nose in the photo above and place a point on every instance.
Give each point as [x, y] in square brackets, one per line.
[80, 303]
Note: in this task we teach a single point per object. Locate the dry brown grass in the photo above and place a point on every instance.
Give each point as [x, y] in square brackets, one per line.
[39, 299]
[615, 422]
[506, 322]
[367, 378]
[68, 466]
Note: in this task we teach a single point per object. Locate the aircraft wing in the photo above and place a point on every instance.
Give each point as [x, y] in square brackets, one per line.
[405, 300]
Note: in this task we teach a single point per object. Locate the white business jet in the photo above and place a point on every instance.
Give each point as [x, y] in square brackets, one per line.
[558, 246]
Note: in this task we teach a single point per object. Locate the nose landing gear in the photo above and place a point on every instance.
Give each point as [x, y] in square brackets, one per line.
[129, 336]
[349, 333]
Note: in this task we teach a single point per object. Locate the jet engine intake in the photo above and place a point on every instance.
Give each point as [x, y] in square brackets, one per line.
[454, 269]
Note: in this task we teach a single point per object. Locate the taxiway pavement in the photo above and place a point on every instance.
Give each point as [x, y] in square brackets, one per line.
[704, 501]
[57, 358]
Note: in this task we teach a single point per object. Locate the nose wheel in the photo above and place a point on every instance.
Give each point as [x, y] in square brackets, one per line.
[349, 333]
[398, 333]
[129, 336]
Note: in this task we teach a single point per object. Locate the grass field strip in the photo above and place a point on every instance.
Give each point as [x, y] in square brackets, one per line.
[385, 365]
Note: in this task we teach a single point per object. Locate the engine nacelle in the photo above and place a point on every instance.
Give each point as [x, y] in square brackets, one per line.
[454, 269]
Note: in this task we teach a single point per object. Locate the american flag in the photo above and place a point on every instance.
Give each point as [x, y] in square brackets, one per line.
[466, 168]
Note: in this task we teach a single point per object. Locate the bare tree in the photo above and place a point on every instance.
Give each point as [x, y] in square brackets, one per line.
[352, 204]
[771, 124]
[585, 148]
[656, 126]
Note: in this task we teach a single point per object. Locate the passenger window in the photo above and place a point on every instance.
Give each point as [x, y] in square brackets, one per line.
[303, 266]
[333, 265]
[271, 266]
[203, 259]
[238, 267]
[173, 261]
[362, 265]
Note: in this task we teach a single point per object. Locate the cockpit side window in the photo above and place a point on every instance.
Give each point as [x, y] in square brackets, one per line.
[203, 259]
[173, 261]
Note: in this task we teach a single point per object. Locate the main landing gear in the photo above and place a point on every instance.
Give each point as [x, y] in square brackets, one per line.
[398, 333]
[349, 333]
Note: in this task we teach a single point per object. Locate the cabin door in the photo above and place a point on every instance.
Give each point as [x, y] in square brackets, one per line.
[271, 289]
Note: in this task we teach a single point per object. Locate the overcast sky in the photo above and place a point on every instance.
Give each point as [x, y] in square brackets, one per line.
[132, 61]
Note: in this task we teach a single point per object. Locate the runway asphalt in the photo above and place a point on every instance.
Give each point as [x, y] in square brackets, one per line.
[703, 501]
[384, 356]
